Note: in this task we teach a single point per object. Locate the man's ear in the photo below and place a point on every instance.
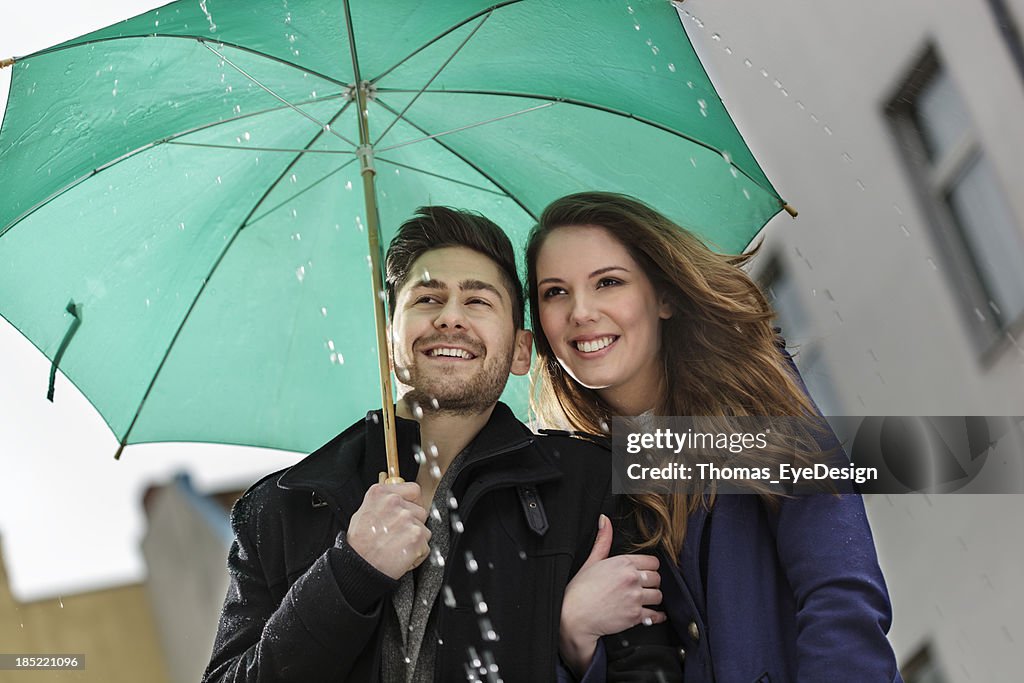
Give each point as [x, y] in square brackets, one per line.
[521, 352]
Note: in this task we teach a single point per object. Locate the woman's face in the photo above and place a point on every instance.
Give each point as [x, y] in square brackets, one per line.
[601, 316]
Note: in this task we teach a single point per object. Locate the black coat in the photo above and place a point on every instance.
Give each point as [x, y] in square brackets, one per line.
[303, 606]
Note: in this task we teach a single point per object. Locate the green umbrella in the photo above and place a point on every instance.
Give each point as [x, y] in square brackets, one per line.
[189, 194]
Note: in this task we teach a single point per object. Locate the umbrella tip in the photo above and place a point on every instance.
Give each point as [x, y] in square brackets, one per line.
[7, 62]
[789, 209]
[120, 449]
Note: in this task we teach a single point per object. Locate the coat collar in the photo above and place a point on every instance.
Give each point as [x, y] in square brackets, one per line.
[341, 470]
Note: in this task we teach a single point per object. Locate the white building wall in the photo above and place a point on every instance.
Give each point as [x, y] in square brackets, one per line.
[885, 320]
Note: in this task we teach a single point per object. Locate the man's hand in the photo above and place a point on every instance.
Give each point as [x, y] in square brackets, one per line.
[607, 595]
[388, 529]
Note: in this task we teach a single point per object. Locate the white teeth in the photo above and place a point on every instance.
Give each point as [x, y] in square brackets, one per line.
[453, 353]
[594, 345]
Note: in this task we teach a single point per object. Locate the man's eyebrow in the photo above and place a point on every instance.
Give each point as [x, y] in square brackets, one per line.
[599, 271]
[431, 283]
[481, 285]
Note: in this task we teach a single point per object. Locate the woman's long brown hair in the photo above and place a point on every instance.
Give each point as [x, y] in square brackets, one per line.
[719, 349]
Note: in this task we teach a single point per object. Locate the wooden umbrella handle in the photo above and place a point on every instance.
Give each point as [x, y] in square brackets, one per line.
[4, 63]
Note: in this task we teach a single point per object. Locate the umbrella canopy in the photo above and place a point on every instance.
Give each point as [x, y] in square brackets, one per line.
[184, 228]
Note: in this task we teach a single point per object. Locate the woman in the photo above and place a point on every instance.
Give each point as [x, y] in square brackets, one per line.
[633, 315]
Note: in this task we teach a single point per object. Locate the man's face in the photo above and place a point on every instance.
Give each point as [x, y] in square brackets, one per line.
[453, 340]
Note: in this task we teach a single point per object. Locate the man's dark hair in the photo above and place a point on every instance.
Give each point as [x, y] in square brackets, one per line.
[435, 227]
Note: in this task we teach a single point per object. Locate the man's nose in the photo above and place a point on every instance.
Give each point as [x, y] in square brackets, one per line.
[451, 316]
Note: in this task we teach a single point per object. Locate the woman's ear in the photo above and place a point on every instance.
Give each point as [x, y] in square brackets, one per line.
[665, 308]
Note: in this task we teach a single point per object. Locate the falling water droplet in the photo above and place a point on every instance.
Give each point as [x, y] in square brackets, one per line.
[471, 563]
[457, 525]
[293, 178]
[449, 596]
[323, 311]
[348, 185]
[478, 603]
[435, 471]
[417, 411]
[453, 503]
[747, 63]
[716, 37]
[672, 67]
[300, 273]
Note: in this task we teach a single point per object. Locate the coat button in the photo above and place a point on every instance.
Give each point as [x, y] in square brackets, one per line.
[693, 630]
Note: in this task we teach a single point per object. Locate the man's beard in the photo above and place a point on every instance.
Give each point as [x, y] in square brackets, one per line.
[452, 395]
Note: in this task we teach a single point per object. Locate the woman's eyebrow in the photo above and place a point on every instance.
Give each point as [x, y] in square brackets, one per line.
[599, 271]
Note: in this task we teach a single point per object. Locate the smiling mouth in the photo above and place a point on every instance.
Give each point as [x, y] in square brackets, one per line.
[450, 352]
[594, 345]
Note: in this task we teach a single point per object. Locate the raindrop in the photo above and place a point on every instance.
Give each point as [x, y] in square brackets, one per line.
[785, 93]
[181, 226]
[629, 8]
[906, 233]
[417, 411]
[323, 311]
[861, 185]
[747, 63]
[487, 632]
[426, 276]
[369, 262]
[716, 37]
[300, 273]
[435, 513]
[474, 660]
[847, 158]
[764, 72]
[313, 94]
[336, 359]
[434, 404]
[689, 84]
[672, 67]
[398, 171]
[636, 26]
[735, 173]
[457, 525]
[648, 621]
[897, 209]
[327, 128]
[654, 49]
[995, 309]
[288, 18]
[453, 503]
[728, 50]
[839, 317]
[828, 131]
[981, 316]
[449, 596]
[291, 37]
[295, 213]
[237, 109]
[246, 136]
[814, 118]
[435, 471]
[330, 344]
[800, 105]
[348, 185]
[702, 104]
[219, 181]
[522, 554]
[229, 89]
[436, 558]
[293, 178]
[746, 193]
[419, 456]
[297, 237]
[471, 563]
[375, 417]
[147, 303]
[478, 603]
[61, 601]
[404, 374]
[605, 428]
[693, 162]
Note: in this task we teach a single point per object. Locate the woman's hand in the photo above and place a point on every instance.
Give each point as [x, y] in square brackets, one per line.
[607, 595]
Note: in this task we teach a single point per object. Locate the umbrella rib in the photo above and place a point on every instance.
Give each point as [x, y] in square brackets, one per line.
[261, 149]
[442, 177]
[469, 163]
[290, 166]
[597, 107]
[247, 223]
[434, 136]
[488, 11]
[244, 224]
[273, 94]
[434, 76]
[198, 39]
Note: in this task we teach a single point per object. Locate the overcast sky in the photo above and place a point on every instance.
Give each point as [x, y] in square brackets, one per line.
[70, 515]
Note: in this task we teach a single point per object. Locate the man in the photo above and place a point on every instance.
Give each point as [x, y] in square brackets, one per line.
[330, 576]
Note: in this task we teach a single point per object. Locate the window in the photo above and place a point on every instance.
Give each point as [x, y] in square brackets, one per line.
[980, 240]
[922, 668]
[791, 316]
